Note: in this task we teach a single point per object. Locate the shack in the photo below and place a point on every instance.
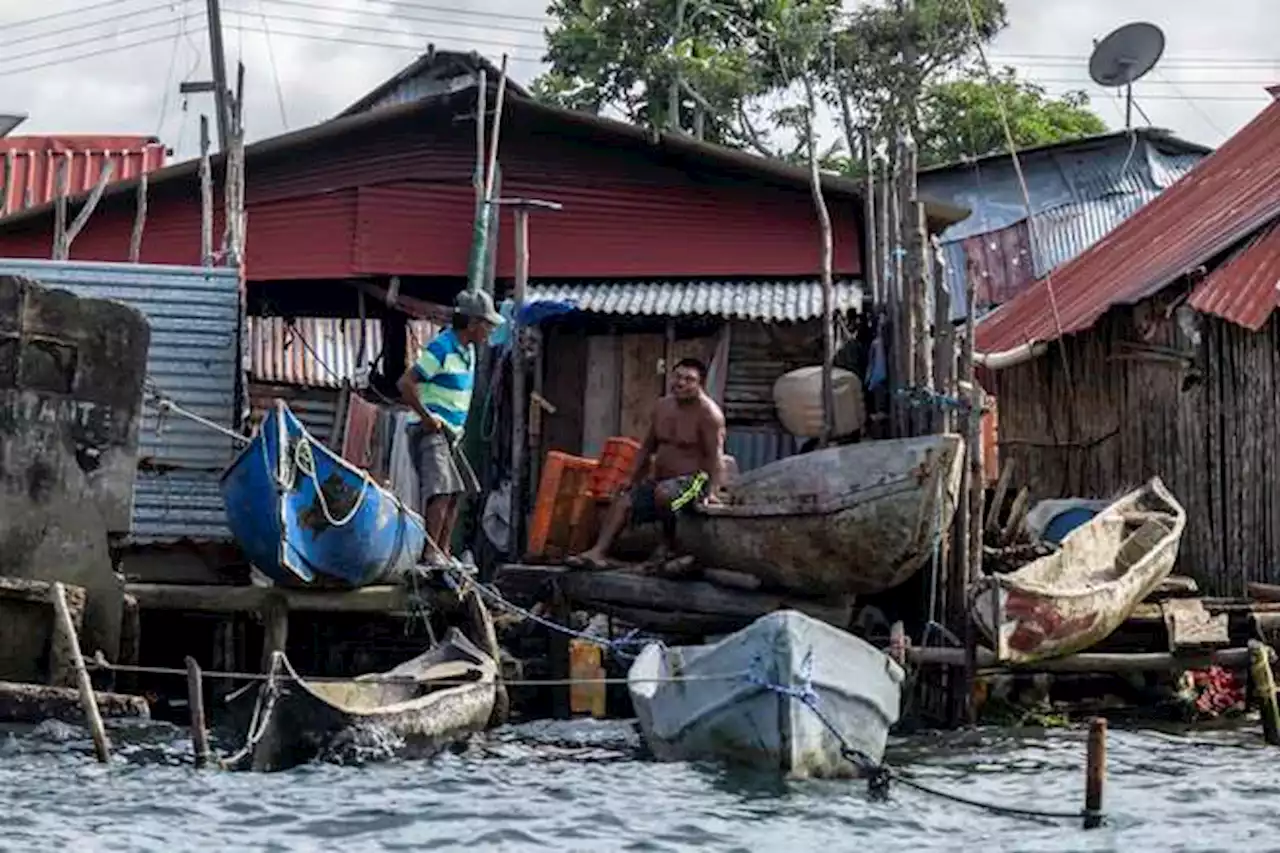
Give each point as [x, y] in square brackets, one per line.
[1154, 353]
[1079, 190]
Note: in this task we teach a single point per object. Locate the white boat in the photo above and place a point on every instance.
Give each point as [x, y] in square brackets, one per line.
[738, 700]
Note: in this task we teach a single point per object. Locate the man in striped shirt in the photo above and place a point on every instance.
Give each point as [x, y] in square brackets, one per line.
[437, 387]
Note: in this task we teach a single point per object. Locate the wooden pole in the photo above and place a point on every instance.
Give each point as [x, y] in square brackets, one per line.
[496, 133]
[519, 396]
[1264, 688]
[218, 63]
[101, 746]
[195, 701]
[206, 196]
[91, 203]
[870, 242]
[966, 558]
[60, 213]
[139, 220]
[275, 626]
[1095, 773]
[825, 271]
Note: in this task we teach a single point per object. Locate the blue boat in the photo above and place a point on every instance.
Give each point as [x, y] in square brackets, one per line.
[302, 513]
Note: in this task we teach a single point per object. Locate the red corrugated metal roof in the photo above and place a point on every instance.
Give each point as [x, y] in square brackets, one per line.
[30, 168]
[1246, 289]
[1229, 195]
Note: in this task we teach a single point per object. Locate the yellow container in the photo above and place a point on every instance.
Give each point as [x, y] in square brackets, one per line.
[584, 663]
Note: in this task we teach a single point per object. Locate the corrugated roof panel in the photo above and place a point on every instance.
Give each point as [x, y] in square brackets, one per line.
[1246, 289]
[193, 358]
[29, 165]
[311, 352]
[776, 301]
[1228, 196]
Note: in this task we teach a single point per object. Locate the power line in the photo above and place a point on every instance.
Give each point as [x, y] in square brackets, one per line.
[130, 16]
[426, 7]
[503, 46]
[1083, 59]
[96, 39]
[400, 16]
[275, 71]
[366, 28]
[78, 10]
[7, 72]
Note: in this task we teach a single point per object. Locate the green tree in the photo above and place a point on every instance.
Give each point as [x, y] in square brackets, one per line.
[962, 118]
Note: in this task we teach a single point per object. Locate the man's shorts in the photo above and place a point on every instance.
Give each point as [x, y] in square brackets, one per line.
[654, 501]
[442, 469]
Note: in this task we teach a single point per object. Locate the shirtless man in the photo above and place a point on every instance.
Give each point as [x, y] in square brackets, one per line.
[686, 445]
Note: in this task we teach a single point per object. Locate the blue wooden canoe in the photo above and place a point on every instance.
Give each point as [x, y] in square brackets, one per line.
[348, 530]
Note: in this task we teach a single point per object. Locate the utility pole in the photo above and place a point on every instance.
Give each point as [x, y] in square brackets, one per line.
[218, 86]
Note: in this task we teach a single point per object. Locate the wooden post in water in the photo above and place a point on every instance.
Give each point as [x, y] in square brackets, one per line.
[101, 746]
[1095, 773]
[195, 701]
[1264, 688]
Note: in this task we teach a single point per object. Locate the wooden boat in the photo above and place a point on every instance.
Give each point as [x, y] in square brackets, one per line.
[729, 708]
[1071, 599]
[303, 514]
[420, 706]
[852, 519]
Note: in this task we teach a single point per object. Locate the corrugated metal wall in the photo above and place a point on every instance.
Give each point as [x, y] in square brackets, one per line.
[194, 315]
[29, 165]
[317, 408]
[759, 353]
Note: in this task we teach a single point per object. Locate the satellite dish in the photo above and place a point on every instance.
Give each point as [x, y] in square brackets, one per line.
[1124, 56]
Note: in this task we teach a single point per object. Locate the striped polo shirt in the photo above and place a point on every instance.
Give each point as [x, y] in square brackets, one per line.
[446, 373]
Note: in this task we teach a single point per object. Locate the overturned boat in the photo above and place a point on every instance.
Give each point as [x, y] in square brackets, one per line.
[848, 520]
[419, 707]
[1075, 597]
[788, 693]
[304, 515]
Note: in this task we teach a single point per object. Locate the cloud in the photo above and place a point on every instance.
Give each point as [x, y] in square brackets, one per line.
[325, 54]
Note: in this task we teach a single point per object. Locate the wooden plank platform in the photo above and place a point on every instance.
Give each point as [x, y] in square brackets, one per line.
[666, 605]
[246, 599]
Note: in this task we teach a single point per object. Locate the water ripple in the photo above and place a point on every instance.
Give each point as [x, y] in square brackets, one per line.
[583, 786]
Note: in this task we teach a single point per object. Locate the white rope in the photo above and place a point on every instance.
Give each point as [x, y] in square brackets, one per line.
[305, 462]
[164, 406]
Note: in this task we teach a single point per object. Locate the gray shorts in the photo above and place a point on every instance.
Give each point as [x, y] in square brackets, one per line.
[442, 470]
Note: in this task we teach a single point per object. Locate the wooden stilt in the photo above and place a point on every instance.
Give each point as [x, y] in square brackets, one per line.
[195, 701]
[101, 746]
[1264, 688]
[1095, 773]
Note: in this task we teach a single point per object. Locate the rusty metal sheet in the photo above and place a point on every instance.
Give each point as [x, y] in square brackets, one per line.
[1000, 265]
[1246, 289]
[31, 164]
[1229, 195]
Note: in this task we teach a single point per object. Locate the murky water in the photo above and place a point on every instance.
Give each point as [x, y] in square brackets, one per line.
[583, 786]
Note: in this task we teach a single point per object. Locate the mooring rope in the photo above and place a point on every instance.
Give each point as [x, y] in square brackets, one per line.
[630, 640]
[232, 675]
[879, 774]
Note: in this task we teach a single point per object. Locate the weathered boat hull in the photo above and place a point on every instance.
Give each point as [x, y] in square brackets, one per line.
[446, 694]
[1070, 600]
[730, 708]
[283, 515]
[850, 520]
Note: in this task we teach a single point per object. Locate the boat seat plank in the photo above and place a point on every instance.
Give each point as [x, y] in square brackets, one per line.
[1191, 626]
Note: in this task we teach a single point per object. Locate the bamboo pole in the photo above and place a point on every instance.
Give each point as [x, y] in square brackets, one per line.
[195, 701]
[139, 220]
[825, 273]
[89, 702]
[870, 242]
[1264, 688]
[206, 196]
[1095, 773]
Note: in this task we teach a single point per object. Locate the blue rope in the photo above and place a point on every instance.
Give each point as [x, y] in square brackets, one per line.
[632, 639]
[878, 774]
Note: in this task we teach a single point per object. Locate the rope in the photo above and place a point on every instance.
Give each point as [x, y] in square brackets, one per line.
[305, 461]
[879, 774]
[164, 405]
[631, 640]
[101, 663]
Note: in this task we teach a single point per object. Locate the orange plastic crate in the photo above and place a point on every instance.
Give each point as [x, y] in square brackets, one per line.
[616, 463]
[564, 479]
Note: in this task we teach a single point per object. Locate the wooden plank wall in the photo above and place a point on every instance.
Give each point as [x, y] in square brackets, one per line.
[1204, 423]
[564, 384]
[758, 355]
[602, 395]
[643, 381]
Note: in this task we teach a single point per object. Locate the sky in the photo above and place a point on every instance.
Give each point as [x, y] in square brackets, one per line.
[91, 66]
